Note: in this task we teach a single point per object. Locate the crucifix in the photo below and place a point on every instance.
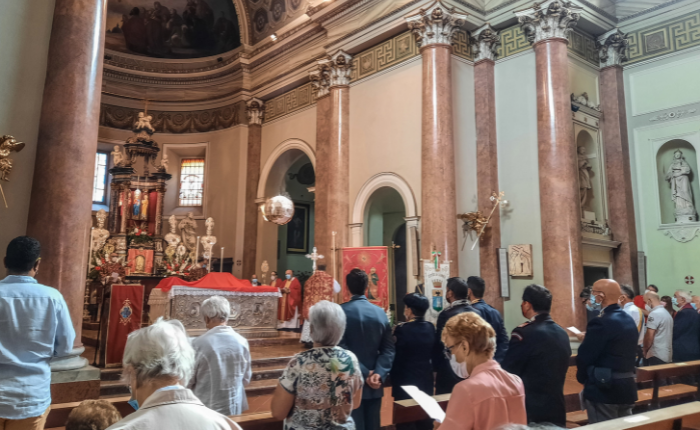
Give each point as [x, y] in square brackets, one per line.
[435, 256]
[314, 256]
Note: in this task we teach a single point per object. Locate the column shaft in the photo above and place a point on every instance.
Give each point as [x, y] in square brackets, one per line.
[250, 236]
[322, 235]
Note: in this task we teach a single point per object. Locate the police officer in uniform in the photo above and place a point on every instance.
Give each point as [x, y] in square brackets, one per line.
[538, 353]
[477, 288]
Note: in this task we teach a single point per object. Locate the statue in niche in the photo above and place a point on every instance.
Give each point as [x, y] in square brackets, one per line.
[584, 175]
[136, 207]
[188, 230]
[678, 175]
[143, 214]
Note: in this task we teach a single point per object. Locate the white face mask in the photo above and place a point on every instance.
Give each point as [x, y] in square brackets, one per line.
[647, 307]
[460, 369]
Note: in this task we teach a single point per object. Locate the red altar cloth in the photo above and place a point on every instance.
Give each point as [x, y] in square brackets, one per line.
[216, 281]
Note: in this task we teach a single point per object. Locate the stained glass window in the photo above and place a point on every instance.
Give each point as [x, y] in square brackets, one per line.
[191, 181]
[99, 186]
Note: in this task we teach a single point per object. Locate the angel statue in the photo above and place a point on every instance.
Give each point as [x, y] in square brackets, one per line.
[118, 156]
[143, 123]
[8, 144]
[164, 163]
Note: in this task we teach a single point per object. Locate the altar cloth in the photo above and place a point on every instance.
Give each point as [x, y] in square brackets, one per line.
[216, 281]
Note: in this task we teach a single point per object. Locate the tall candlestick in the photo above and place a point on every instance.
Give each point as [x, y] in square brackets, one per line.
[221, 262]
[196, 252]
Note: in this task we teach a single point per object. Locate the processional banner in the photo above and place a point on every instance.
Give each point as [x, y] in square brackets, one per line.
[374, 260]
[125, 313]
[435, 277]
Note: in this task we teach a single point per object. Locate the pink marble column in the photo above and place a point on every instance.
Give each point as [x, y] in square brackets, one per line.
[250, 236]
[558, 170]
[433, 29]
[322, 238]
[612, 46]
[61, 200]
[484, 41]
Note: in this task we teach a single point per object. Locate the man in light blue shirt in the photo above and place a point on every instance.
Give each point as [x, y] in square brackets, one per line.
[35, 326]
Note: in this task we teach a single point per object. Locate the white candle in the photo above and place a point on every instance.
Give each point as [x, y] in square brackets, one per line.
[221, 263]
[196, 253]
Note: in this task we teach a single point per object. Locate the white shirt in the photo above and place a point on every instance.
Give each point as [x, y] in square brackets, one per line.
[222, 370]
[662, 345]
[638, 318]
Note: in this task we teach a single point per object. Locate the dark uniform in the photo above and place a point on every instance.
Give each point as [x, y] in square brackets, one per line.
[446, 379]
[539, 354]
[686, 335]
[493, 317]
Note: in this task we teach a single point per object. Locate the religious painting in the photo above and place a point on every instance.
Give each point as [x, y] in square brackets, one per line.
[520, 260]
[374, 260]
[140, 262]
[172, 28]
[125, 313]
[298, 230]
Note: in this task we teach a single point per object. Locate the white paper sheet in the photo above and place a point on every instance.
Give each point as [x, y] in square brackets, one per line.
[429, 404]
[574, 330]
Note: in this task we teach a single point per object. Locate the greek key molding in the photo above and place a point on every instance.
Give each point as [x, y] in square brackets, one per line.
[664, 38]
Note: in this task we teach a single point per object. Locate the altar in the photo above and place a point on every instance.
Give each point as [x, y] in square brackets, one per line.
[253, 309]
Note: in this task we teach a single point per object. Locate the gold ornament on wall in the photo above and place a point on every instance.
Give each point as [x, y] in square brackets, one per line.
[476, 221]
[8, 144]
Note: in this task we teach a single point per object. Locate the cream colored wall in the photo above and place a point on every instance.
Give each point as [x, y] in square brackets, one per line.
[25, 29]
[224, 183]
[583, 78]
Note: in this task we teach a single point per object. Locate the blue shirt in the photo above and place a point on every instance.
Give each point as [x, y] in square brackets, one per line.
[35, 326]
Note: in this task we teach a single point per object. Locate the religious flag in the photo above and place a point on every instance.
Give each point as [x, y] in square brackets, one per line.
[374, 260]
[435, 287]
[125, 313]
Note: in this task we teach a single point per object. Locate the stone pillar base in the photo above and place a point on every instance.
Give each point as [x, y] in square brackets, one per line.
[75, 385]
[69, 362]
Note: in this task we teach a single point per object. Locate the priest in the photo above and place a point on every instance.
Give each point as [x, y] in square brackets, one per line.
[320, 286]
[291, 302]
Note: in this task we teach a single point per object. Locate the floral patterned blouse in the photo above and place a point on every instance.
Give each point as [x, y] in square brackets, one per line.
[323, 381]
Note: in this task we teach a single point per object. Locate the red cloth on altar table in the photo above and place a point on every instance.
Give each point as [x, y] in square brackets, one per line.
[374, 260]
[125, 313]
[289, 303]
[215, 281]
[318, 287]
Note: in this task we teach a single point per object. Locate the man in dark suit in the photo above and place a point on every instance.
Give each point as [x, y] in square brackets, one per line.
[686, 329]
[606, 358]
[456, 296]
[368, 336]
[539, 353]
[477, 288]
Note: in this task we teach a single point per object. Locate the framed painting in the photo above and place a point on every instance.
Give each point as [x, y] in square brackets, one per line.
[298, 230]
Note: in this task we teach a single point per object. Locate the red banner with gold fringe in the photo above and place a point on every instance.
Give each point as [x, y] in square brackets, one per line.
[374, 260]
[125, 313]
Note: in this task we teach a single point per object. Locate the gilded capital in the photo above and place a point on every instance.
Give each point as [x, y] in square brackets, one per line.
[485, 41]
[435, 25]
[320, 78]
[612, 48]
[255, 110]
[551, 19]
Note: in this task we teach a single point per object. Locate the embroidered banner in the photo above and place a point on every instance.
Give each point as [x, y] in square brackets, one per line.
[374, 260]
[435, 287]
[125, 313]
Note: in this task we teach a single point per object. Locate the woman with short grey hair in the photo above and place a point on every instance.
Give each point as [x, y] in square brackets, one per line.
[158, 362]
[299, 392]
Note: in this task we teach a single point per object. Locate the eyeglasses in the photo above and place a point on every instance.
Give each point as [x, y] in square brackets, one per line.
[448, 350]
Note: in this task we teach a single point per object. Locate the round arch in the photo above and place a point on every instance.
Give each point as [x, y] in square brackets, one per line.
[287, 145]
[245, 29]
[391, 180]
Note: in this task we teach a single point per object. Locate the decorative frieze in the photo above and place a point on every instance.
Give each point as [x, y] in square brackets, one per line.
[552, 19]
[435, 25]
[485, 41]
[175, 121]
[255, 111]
[612, 48]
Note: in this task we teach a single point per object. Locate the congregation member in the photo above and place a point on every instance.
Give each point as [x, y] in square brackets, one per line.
[695, 303]
[290, 302]
[320, 387]
[254, 281]
[539, 353]
[413, 361]
[658, 339]
[448, 371]
[368, 336]
[668, 305]
[606, 358]
[320, 286]
[686, 329]
[36, 327]
[653, 288]
[222, 367]
[93, 415]
[158, 363]
[589, 301]
[490, 397]
[477, 288]
[626, 302]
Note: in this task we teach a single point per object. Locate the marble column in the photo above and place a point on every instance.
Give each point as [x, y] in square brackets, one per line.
[434, 29]
[547, 26]
[61, 200]
[611, 48]
[255, 110]
[332, 155]
[484, 43]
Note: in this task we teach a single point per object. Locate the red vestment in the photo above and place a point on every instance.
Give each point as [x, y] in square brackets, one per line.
[318, 287]
[291, 301]
[279, 284]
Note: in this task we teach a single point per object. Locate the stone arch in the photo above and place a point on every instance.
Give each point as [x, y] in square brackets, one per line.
[391, 180]
[284, 147]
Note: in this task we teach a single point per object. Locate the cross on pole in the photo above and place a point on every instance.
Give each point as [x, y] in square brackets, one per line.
[314, 256]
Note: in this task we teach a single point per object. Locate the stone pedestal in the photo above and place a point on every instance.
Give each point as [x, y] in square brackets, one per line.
[75, 385]
[250, 235]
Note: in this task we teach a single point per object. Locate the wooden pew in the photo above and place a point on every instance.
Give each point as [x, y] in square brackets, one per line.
[678, 417]
[664, 371]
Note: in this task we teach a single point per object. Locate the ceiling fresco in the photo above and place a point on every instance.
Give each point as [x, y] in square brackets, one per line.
[269, 16]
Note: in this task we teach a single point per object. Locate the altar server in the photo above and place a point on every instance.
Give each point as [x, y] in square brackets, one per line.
[291, 302]
[320, 286]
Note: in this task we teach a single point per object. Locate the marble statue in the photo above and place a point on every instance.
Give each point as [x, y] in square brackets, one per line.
[118, 156]
[99, 235]
[143, 122]
[164, 162]
[678, 175]
[584, 101]
[188, 231]
[173, 238]
[208, 241]
[584, 175]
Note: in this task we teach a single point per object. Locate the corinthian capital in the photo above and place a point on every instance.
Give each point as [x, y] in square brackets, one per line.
[612, 47]
[320, 78]
[340, 66]
[484, 42]
[435, 25]
[551, 19]
[255, 111]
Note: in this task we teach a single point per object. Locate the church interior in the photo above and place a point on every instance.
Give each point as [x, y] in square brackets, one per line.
[553, 143]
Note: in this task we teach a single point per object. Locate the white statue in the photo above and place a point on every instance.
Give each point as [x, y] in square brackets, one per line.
[208, 241]
[164, 162]
[585, 101]
[143, 122]
[173, 238]
[99, 235]
[584, 175]
[188, 230]
[678, 175]
[118, 156]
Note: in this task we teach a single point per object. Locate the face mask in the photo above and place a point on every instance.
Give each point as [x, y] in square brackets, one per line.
[255, 282]
[694, 306]
[288, 276]
[134, 404]
[647, 307]
[460, 369]
[273, 277]
[674, 301]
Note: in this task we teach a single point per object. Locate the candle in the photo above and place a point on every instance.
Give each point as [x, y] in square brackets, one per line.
[196, 252]
[221, 262]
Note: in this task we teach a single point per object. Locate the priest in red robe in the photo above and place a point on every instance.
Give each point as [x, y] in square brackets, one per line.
[291, 302]
[320, 286]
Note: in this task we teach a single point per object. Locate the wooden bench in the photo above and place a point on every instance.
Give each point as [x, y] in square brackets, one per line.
[685, 416]
[664, 371]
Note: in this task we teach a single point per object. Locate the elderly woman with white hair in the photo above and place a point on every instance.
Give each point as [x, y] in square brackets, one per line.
[320, 387]
[158, 363]
[222, 366]
[686, 329]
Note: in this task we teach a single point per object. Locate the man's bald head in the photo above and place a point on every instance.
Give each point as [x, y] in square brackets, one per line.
[609, 289]
[652, 299]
